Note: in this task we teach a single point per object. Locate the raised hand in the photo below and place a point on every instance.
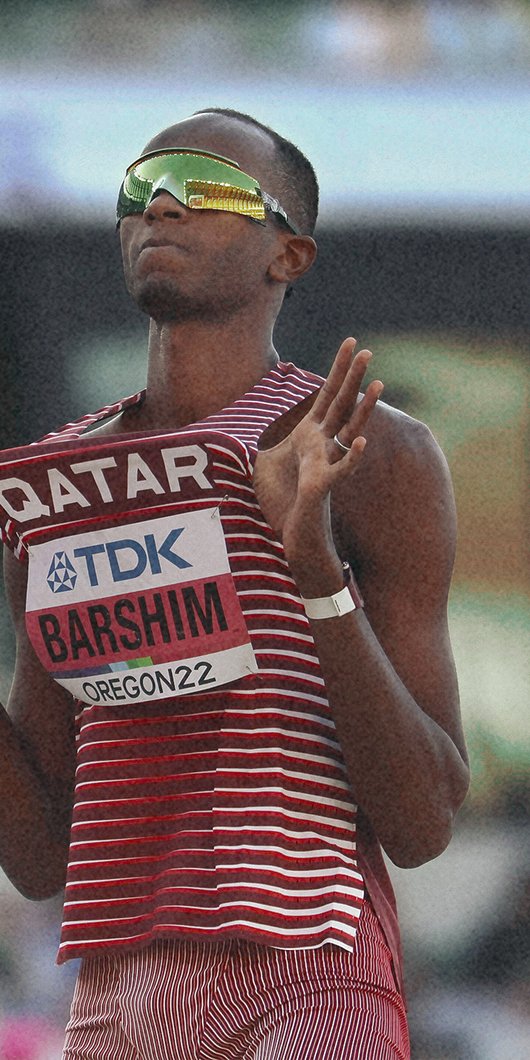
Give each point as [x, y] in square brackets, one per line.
[294, 479]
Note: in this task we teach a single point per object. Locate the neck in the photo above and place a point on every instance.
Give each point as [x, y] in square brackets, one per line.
[197, 368]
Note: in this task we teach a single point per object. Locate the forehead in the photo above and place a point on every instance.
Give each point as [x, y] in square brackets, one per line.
[250, 147]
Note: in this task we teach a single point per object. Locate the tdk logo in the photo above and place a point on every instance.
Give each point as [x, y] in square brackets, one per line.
[124, 559]
[62, 574]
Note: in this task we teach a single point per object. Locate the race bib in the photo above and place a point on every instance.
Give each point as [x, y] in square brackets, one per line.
[143, 611]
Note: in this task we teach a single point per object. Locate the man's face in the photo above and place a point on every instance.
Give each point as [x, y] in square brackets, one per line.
[180, 263]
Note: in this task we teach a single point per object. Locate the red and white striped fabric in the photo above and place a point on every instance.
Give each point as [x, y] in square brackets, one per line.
[240, 1001]
[224, 815]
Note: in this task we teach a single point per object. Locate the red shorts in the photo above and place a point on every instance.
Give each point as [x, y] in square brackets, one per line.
[234, 1000]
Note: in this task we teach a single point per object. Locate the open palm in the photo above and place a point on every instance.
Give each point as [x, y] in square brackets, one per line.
[293, 480]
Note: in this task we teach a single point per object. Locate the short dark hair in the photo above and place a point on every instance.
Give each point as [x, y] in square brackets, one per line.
[298, 192]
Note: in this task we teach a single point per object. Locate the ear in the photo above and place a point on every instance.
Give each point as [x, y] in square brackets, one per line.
[294, 257]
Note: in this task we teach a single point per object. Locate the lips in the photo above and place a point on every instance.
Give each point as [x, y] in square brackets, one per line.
[160, 243]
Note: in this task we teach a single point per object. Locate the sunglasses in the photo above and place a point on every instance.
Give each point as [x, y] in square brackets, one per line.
[200, 181]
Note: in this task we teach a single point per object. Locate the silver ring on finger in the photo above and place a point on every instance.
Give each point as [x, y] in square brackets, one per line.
[343, 448]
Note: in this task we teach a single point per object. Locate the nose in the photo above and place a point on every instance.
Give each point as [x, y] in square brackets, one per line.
[164, 205]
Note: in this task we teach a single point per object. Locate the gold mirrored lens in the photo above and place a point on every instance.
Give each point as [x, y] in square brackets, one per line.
[209, 195]
[205, 190]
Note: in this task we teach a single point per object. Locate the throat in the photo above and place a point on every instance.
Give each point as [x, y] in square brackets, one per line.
[189, 389]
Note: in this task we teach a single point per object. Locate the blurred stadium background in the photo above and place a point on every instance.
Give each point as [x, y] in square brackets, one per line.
[416, 115]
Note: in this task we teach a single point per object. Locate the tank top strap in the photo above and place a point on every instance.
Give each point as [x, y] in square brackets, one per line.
[76, 428]
[280, 390]
[283, 387]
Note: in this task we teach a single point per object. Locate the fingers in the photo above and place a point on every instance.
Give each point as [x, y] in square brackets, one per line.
[337, 401]
[343, 468]
[352, 427]
[338, 408]
[336, 377]
[344, 404]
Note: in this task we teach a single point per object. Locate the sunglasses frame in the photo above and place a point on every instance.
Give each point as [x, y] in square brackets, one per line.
[270, 204]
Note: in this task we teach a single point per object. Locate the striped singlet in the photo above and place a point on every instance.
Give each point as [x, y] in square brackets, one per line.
[211, 800]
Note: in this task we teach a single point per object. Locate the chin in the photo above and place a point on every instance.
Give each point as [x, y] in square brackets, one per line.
[165, 302]
[162, 302]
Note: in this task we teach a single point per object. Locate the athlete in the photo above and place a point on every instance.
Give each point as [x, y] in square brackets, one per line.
[231, 588]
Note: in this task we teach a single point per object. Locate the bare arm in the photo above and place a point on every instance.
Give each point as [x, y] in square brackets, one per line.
[37, 763]
[389, 671]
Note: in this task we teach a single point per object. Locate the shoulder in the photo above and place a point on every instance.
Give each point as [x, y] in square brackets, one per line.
[403, 451]
[400, 498]
[401, 459]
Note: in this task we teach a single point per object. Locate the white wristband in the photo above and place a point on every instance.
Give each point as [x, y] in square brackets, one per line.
[341, 602]
[329, 606]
